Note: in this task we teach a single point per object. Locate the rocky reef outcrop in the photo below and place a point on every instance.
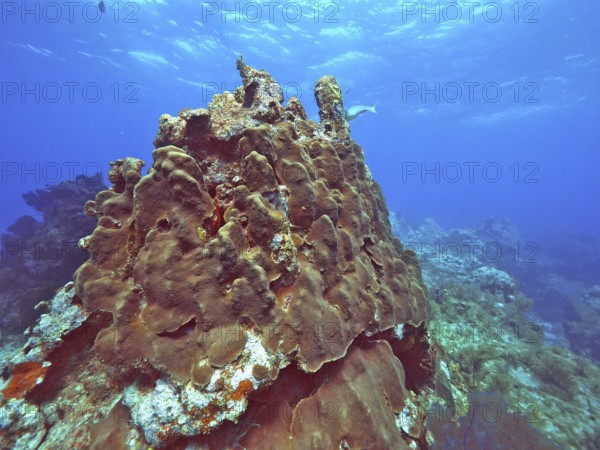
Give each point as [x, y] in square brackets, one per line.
[247, 292]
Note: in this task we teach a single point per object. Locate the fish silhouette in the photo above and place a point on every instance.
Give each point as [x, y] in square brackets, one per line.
[355, 111]
[101, 6]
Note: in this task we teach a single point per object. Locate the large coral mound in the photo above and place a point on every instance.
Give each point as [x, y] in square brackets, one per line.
[255, 258]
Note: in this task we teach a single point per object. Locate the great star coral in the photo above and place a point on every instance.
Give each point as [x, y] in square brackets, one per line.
[244, 293]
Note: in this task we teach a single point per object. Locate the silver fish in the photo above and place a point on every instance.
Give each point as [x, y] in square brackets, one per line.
[354, 111]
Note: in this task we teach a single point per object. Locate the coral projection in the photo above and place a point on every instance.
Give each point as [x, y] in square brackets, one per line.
[247, 292]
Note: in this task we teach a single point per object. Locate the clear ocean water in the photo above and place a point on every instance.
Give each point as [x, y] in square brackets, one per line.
[486, 109]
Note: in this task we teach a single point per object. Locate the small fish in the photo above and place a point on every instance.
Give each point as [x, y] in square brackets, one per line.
[101, 6]
[355, 111]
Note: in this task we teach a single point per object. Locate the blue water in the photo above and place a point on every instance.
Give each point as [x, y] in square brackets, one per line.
[533, 150]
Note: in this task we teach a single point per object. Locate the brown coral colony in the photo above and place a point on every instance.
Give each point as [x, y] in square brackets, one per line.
[256, 260]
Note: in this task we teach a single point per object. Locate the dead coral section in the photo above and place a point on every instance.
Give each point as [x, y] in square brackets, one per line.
[56, 389]
[256, 243]
[359, 401]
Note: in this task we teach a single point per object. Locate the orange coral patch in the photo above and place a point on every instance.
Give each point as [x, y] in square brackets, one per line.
[24, 377]
[244, 388]
[211, 413]
[164, 433]
[217, 220]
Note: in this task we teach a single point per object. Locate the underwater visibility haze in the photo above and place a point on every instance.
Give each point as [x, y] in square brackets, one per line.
[255, 221]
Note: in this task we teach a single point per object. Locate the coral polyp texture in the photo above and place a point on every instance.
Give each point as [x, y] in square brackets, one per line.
[247, 292]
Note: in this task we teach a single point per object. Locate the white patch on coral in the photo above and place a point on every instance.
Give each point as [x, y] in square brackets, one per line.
[399, 330]
[17, 416]
[445, 370]
[407, 419]
[154, 409]
[168, 406]
[47, 334]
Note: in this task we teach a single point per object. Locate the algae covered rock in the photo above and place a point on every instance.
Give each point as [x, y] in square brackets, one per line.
[251, 277]
[503, 380]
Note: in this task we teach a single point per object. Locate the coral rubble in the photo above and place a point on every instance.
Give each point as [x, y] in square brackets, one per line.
[247, 292]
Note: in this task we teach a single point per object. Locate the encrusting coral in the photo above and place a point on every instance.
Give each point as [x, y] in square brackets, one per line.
[247, 292]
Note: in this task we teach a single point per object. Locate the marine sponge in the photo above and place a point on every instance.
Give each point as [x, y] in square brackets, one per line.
[256, 250]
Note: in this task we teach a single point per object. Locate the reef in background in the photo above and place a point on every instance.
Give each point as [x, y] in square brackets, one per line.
[247, 292]
[38, 257]
[502, 371]
[581, 324]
